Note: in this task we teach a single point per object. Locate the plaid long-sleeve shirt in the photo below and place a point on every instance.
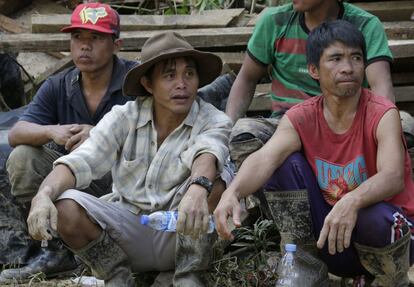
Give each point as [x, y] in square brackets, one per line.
[144, 177]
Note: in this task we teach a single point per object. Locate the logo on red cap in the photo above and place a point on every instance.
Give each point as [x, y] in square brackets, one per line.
[92, 14]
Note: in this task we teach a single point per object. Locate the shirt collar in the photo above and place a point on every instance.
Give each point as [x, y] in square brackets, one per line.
[190, 120]
[146, 114]
[118, 71]
[145, 111]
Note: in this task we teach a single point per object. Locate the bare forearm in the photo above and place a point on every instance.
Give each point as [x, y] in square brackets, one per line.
[204, 165]
[59, 179]
[379, 78]
[378, 188]
[240, 97]
[384, 89]
[29, 133]
[253, 174]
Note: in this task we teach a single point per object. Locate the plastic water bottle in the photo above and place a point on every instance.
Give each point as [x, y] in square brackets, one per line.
[288, 269]
[167, 221]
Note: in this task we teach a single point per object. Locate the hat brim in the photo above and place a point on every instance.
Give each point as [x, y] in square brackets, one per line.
[208, 67]
[96, 28]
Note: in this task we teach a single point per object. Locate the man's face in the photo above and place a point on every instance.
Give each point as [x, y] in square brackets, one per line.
[341, 70]
[174, 86]
[307, 5]
[92, 51]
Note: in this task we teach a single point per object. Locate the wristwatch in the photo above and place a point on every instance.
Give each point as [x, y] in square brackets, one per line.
[204, 182]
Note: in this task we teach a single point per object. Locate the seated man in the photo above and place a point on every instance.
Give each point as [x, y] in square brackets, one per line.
[164, 150]
[279, 40]
[356, 176]
[59, 119]
[61, 115]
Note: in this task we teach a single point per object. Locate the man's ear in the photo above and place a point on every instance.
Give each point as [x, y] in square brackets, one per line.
[146, 83]
[118, 44]
[313, 71]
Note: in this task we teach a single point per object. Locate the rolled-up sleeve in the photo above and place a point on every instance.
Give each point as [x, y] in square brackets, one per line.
[212, 137]
[97, 155]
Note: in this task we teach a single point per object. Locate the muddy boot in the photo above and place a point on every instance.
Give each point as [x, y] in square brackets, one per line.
[192, 257]
[389, 265]
[107, 261]
[291, 214]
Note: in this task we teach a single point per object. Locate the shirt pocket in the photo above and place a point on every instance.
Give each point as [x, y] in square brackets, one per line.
[130, 174]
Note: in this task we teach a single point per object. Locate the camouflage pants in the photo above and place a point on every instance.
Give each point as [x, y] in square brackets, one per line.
[14, 239]
[28, 166]
[248, 135]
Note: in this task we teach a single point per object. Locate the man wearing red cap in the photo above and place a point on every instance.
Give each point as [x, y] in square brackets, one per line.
[66, 107]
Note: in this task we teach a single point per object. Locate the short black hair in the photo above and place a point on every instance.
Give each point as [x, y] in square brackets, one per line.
[330, 32]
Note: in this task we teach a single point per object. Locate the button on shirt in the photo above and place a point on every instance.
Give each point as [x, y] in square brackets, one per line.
[144, 177]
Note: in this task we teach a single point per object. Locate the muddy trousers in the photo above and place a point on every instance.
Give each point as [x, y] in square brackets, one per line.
[28, 166]
[378, 226]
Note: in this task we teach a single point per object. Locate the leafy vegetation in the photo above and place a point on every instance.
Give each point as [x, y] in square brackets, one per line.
[250, 261]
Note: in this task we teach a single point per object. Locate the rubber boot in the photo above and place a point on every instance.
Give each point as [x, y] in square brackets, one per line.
[291, 214]
[107, 261]
[192, 257]
[389, 265]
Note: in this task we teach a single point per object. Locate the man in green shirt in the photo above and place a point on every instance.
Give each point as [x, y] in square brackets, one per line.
[279, 40]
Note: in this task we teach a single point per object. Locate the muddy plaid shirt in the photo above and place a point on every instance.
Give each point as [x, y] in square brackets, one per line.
[144, 177]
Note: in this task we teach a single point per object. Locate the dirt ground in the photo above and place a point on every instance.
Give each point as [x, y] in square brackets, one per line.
[335, 282]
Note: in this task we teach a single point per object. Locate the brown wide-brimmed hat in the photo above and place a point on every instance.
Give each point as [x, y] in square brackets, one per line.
[169, 45]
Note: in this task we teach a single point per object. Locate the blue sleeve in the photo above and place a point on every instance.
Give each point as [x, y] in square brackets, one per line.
[42, 109]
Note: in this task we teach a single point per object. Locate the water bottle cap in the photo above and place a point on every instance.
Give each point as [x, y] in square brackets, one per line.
[144, 219]
[290, 247]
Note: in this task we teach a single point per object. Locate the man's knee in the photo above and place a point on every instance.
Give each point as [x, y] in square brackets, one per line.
[27, 167]
[380, 225]
[70, 215]
[249, 135]
[20, 157]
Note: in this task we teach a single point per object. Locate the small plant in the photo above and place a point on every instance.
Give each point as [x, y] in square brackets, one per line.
[251, 260]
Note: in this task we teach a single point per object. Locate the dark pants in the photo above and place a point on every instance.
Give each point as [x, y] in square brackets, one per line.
[377, 226]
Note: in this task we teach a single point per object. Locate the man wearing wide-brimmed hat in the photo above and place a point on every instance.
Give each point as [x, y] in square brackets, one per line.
[166, 151]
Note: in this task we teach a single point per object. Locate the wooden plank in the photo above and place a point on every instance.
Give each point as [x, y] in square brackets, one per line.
[403, 79]
[133, 41]
[59, 66]
[402, 48]
[399, 30]
[210, 19]
[262, 101]
[404, 94]
[12, 26]
[389, 10]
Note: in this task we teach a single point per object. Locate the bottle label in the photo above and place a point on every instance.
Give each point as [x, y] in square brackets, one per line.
[172, 220]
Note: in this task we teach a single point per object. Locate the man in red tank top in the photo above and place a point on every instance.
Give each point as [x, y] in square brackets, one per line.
[340, 174]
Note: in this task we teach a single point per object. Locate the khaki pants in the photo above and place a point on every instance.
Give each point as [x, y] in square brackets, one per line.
[147, 249]
[28, 166]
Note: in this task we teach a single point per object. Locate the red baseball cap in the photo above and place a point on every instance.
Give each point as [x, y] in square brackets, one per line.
[94, 16]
